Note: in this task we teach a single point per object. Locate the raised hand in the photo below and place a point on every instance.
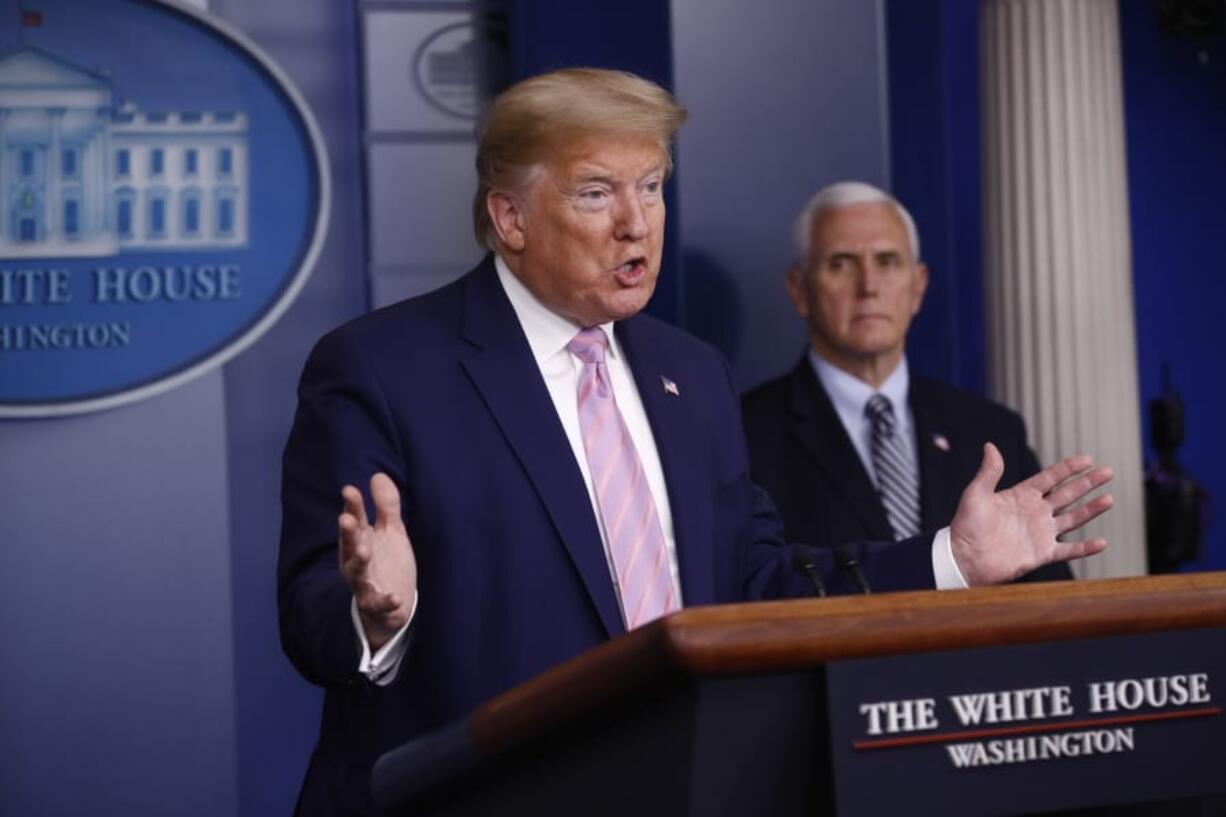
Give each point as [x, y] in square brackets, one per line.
[998, 536]
[377, 560]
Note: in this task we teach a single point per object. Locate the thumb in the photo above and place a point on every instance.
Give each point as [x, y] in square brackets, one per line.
[990, 470]
[387, 500]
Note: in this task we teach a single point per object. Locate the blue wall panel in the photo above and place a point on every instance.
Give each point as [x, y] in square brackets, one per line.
[784, 98]
[934, 153]
[315, 43]
[1175, 111]
[116, 662]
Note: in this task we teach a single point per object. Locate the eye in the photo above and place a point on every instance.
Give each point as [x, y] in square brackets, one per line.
[653, 187]
[592, 198]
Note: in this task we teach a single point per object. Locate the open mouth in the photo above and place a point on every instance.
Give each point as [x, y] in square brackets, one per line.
[632, 272]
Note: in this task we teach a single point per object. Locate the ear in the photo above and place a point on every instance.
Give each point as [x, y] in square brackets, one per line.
[919, 286]
[797, 290]
[506, 212]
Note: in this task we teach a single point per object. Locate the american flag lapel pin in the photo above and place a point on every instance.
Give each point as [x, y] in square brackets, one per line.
[941, 441]
[670, 387]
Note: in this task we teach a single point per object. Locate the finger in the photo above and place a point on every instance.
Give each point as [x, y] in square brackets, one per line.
[1074, 489]
[1053, 475]
[1078, 550]
[354, 505]
[354, 554]
[378, 604]
[990, 470]
[1082, 514]
[387, 500]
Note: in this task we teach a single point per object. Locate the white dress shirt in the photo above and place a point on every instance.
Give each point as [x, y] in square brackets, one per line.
[548, 335]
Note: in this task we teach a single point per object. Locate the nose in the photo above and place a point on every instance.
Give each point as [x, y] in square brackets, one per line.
[868, 278]
[631, 218]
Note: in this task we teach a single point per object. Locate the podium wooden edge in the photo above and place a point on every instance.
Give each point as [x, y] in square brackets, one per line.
[780, 636]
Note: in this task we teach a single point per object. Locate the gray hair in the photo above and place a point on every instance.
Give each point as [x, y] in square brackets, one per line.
[835, 197]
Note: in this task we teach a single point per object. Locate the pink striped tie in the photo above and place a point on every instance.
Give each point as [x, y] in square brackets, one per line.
[630, 521]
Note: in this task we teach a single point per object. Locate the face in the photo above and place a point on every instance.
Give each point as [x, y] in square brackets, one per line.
[860, 289]
[585, 235]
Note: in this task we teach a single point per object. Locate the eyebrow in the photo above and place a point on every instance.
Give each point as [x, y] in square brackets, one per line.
[842, 255]
[592, 176]
[875, 253]
[586, 175]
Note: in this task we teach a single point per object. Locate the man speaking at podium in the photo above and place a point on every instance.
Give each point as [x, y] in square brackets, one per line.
[547, 467]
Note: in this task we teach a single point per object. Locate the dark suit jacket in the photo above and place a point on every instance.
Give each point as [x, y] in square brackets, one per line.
[442, 393]
[800, 453]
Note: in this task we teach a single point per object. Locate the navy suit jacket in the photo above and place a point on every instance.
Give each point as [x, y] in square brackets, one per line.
[801, 454]
[443, 394]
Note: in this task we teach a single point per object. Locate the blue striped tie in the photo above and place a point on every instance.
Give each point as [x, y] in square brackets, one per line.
[897, 482]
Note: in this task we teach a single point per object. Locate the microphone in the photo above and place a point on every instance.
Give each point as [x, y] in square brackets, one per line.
[805, 565]
[851, 564]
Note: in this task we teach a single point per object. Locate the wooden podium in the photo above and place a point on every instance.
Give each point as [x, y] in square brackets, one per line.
[768, 708]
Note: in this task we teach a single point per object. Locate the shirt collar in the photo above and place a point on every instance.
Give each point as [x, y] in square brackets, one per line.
[849, 393]
[548, 332]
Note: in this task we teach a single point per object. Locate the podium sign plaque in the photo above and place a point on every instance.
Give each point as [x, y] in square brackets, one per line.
[1031, 727]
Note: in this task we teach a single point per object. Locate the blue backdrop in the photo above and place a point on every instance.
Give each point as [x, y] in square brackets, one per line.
[1175, 114]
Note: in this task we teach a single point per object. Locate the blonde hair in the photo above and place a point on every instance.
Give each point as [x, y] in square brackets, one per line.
[534, 118]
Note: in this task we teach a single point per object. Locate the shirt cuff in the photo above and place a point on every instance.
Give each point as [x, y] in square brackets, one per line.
[381, 668]
[944, 566]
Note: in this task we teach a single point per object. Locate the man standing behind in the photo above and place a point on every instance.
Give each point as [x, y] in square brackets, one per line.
[849, 444]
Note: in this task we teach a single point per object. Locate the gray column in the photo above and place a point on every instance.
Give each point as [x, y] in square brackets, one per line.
[1058, 274]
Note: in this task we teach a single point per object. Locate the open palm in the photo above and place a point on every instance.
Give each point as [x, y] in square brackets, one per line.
[998, 536]
[377, 560]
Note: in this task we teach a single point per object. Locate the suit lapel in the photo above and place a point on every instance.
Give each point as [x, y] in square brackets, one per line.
[936, 461]
[816, 424]
[505, 373]
[674, 429]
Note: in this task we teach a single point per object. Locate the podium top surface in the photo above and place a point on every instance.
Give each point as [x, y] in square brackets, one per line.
[781, 636]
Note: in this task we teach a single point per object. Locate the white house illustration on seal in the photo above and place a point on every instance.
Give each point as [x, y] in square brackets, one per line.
[80, 176]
